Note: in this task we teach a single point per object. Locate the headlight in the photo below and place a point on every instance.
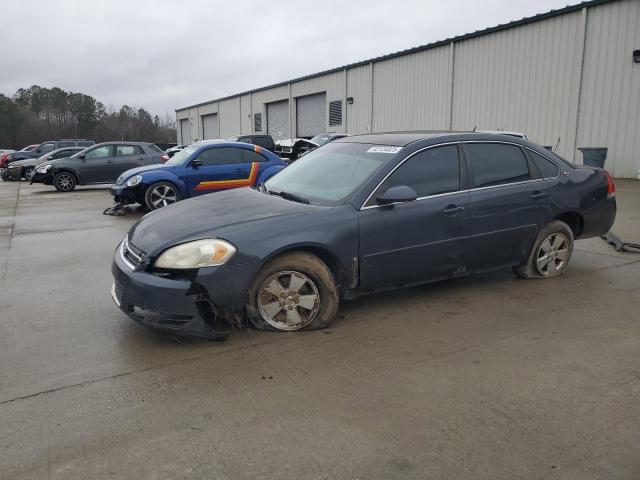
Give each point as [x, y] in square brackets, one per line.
[133, 181]
[43, 169]
[200, 253]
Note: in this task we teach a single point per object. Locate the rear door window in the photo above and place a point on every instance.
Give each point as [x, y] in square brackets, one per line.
[220, 156]
[430, 172]
[547, 168]
[496, 164]
[66, 144]
[87, 143]
[125, 150]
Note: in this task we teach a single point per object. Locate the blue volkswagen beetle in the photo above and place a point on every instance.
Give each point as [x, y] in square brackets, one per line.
[203, 167]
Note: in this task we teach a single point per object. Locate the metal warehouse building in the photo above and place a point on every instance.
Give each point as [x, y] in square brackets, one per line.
[569, 77]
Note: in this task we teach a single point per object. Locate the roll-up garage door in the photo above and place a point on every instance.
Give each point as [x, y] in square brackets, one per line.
[185, 131]
[210, 127]
[278, 119]
[311, 114]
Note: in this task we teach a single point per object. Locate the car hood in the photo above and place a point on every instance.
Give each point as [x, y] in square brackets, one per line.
[147, 168]
[27, 162]
[215, 215]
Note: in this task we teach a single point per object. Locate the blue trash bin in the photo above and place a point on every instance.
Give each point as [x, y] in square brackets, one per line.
[594, 156]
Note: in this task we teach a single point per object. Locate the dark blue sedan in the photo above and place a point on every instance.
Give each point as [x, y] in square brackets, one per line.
[203, 167]
[358, 215]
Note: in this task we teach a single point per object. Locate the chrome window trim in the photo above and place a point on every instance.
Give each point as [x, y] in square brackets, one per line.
[533, 180]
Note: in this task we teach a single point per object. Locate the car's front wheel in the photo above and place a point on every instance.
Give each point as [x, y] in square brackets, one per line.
[160, 195]
[64, 181]
[27, 173]
[550, 253]
[296, 291]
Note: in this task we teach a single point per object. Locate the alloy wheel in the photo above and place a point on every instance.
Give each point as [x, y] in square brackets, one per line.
[28, 174]
[64, 182]
[288, 300]
[553, 254]
[163, 195]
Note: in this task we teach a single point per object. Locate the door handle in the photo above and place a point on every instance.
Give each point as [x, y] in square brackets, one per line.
[109, 161]
[140, 159]
[240, 170]
[451, 209]
[537, 194]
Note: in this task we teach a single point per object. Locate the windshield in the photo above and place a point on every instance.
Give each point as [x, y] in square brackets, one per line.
[331, 173]
[181, 157]
[321, 139]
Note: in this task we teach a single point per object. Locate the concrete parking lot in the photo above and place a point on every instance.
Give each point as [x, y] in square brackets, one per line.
[485, 377]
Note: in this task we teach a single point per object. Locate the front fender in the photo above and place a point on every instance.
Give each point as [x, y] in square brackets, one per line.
[149, 178]
[269, 172]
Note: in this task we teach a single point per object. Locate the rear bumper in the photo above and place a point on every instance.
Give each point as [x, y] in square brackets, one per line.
[599, 219]
[207, 307]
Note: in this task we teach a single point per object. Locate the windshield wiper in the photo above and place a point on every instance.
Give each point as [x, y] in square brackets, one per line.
[290, 196]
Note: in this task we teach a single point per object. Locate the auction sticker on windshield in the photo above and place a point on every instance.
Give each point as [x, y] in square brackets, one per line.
[384, 149]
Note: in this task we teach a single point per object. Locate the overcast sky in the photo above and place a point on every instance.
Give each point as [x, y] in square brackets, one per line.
[163, 55]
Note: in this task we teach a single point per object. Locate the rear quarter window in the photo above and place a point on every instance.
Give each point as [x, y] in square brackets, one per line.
[547, 168]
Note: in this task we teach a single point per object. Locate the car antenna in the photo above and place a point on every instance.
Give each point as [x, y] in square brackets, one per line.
[557, 143]
[474, 128]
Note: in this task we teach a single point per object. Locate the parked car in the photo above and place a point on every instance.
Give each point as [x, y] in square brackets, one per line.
[204, 167]
[24, 168]
[48, 147]
[357, 215]
[28, 148]
[101, 163]
[165, 146]
[173, 150]
[294, 148]
[264, 141]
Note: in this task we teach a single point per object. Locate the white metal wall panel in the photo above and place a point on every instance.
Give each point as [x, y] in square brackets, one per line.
[311, 115]
[358, 114]
[610, 96]
[412, 92]
[185, 133]
[523, 79]
[245, 115]
[210, 126]
[278, 119]
[229, 117]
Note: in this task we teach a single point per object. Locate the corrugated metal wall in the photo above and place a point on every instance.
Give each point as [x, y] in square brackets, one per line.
[524, 79]
[610, 95]
[401, 83]
[568, 77]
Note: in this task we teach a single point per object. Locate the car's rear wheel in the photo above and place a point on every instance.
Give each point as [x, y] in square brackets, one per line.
[550, 253]
[64, 181]
[293, 292]
[27, 173]
[160, 195]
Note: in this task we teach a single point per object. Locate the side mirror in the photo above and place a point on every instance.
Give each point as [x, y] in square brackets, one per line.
[81, 157]
[399, 193]
[196, 163]
[39, 150]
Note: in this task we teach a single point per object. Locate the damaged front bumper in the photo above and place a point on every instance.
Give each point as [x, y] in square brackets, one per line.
[210, 306]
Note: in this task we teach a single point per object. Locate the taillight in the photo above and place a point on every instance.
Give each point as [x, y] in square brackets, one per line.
[611, 187]
[164, 158]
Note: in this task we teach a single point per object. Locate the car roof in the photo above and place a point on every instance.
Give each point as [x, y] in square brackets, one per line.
[402, 139]
[398, 139]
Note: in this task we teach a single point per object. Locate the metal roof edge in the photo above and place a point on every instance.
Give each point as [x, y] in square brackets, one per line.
[420, 48]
